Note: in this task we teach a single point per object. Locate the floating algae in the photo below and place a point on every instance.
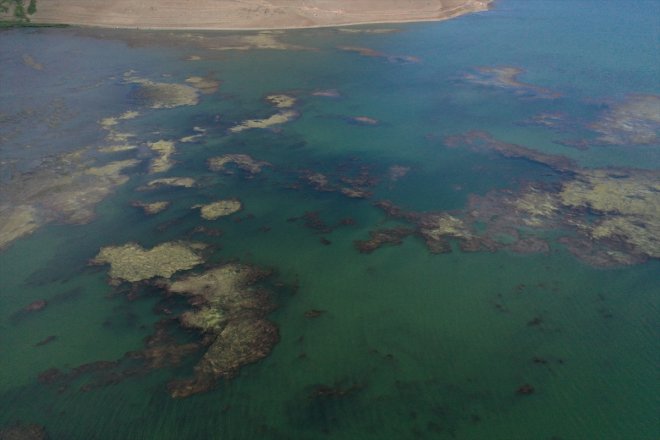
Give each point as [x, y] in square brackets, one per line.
[131, 262]
[242, 161]
[231, 311]
[218, 209]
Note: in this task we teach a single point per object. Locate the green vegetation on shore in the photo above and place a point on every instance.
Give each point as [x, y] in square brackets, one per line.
[14, 13]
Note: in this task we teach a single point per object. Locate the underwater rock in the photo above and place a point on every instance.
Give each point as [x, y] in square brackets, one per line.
[201, 132]
[334, 391]
[525, 390]
[371, 53]
[133, 263]
[381, 237]
[24, 431]
[634, 121]
[281, 101]
[151, 208]
[231, 311]
[363, 120]
[46, 341]
[331, 93]
[314, 221]
[314, 313]
[162, 95]
[279, 118]
[243, 162]
[221, 208]
[117, 148]
[436, 228]
[206, 86]
[163, 160]
[182, 182]
[16, 222]
[506, 77]
[397, 172]
[354, 193]
[36, 306]
[627, 200]
[481, 141]
[63, 189]
[557, 121]
[319, 181]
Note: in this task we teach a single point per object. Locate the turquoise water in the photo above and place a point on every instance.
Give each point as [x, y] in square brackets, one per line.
[425, 346]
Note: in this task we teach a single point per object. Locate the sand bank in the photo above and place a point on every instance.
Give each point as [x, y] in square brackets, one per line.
[248, 14]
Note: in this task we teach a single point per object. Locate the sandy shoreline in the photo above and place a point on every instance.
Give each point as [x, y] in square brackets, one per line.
[248, 14]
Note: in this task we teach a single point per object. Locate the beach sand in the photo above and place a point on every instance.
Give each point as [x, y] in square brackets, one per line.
[247, 14]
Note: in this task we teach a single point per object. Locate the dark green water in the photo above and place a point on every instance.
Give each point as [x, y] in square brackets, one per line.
[436, 345]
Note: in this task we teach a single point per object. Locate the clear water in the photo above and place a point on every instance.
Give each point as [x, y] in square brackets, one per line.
[420, 334]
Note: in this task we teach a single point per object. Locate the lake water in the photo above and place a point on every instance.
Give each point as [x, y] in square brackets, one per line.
[494, 344]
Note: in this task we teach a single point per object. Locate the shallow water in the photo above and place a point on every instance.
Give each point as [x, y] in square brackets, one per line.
[422, 345]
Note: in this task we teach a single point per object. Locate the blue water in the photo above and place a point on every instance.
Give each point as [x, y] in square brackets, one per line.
[424, 346]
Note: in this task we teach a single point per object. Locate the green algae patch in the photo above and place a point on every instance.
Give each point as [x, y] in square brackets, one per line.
[230, 309]
[132, 263]
[221, 208]
[241, 161]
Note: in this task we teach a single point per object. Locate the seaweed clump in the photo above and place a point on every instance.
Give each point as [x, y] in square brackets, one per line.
[132, 263]
[230, 311]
